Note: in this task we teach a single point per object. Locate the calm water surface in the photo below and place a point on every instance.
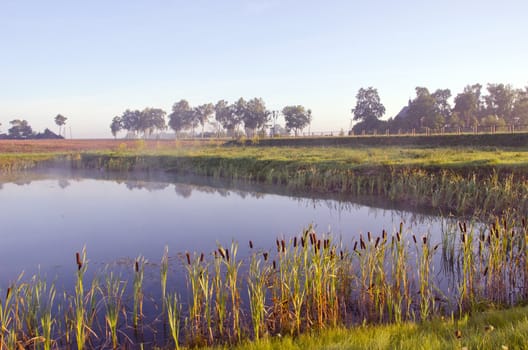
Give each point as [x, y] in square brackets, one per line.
[46, 218]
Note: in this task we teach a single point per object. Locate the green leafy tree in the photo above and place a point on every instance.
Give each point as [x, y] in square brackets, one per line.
[520, 108]
[202, 114]
[296, 117]
[500, 101]
[131, 121]
[226, 115]
[151, 119]
[468, 106]
[368, 105]
[116, 125]
[60, 120]
[424, 112]
[181, 116]
[20, 129]
[255, 116]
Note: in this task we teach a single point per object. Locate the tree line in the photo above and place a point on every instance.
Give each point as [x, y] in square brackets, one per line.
[225, 117]
[21, 130]
[501, 105]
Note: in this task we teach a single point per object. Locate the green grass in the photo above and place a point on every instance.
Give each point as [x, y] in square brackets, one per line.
[486, 330]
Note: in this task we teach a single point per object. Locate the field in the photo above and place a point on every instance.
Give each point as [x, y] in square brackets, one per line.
[312, 285]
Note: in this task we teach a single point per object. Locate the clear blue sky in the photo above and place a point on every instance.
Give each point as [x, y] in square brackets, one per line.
[90, 60]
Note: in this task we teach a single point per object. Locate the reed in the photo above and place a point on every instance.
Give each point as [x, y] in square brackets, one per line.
[139, 272]
[80, 320]
[114, 291]
[164, 268]
[173, 316]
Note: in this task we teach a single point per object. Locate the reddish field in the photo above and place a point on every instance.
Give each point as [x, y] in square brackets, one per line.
[47, 146]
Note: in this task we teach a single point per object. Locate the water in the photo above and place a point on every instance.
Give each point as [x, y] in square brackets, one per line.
[47, 217]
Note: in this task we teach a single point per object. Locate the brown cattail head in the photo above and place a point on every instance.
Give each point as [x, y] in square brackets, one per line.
[250, 244]
[295, 242]
[303, 241]
[265, 254]
[486, 271]
[78, 258]
[465, 228]
[463, 237]
[202, 257]
[523, 222]
[368, 236]
[355, 245]
[8, 292]
[377, 242]
[489, 239]
[436, 247]
[221, 252]
[188, 257]
[227, 254]
[384, 234]
[424, 239]
[137, 266]
[401, 227]
[283, 246]
[461, 227]
[341, 254]
[274, 265]
[278, 245]
[414, 239]
[318, 244]
[398, 236]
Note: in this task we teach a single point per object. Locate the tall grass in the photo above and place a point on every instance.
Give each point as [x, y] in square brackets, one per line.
[307, 283]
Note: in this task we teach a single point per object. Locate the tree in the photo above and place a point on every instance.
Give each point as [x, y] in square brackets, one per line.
[296, 117]
[152, 119]
[424, 111]
[20, 129]
[468, 106]
[368, 105]
[500, 101]
[202, 114]
[520, 107]
[116, 125]
[180, 117]
[60, 120]
[130, 121]
[255, 116]
[226, 115]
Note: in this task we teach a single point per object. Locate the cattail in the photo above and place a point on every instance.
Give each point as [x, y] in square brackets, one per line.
[341, 254]
[137, 266]
[460, 227]
[274, 265]
[414, 239]
[326, 243]
[265, 254]
[392, 241]
[424, 239]
[227, 254]
[295, 242]
[278, 245]
[368, 235]
[303, 241]
[202, 257]
[398, 236]
[362, 243]
[78, 258]
[250, 244]
[8, 292]
[523, 222]
[188, 258]
[221, 252]
[401, 226]
[355, 245]
[489, 239]
[283, 245]
[463, 238]
[436, 247]
[384, 234]
[465, 228]
[319, 244]
[486, 271]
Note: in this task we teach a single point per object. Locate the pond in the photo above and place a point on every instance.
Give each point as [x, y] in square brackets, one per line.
[120, 218]
[48, 216]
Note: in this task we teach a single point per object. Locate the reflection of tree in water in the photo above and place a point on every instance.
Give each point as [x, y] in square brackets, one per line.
[149, 186]
[184, 190]
[63, 183]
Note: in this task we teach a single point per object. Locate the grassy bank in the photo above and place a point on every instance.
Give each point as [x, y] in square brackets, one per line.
[499, 329]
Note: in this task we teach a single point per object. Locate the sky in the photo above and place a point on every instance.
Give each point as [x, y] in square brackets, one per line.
[91, 60]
